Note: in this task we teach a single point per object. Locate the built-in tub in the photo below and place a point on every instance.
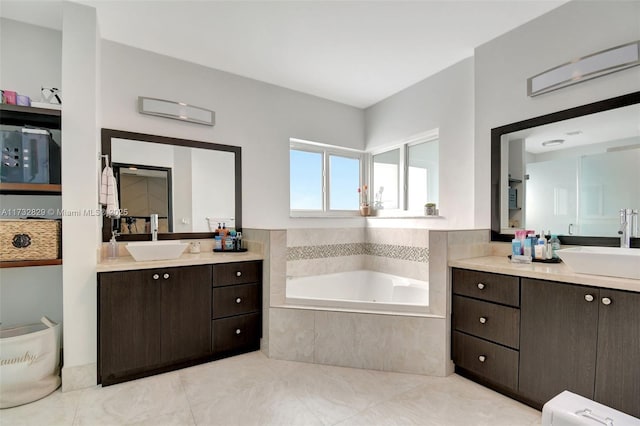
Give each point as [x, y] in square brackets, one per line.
[360, 291]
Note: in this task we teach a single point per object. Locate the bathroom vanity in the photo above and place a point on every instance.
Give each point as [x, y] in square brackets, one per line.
[532, 331]
[160, 316]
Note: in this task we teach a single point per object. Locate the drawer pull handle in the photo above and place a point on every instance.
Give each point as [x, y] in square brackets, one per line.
[238, 331]
[481, 286]
[238, 274]
[588, 297]
[238, 300]
[483, 320]
[165, 276]
[482, 358]
[156, 276]
[606, 301]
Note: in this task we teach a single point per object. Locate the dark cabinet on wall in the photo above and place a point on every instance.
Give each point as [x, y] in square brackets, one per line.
[571, 337]
[156, 320]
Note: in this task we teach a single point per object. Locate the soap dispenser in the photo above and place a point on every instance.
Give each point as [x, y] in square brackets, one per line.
[113, 246]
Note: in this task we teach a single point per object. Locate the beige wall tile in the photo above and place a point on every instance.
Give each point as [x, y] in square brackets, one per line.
[291, 334]
[335, 338]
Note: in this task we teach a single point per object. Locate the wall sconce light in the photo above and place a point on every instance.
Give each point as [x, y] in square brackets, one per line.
[582, 69]
[176, 111]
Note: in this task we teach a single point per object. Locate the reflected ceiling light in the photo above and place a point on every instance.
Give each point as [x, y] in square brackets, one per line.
[595, 65]
[553, 142]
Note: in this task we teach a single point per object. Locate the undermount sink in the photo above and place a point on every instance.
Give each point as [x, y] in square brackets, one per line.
[609, 261]
[156, 250]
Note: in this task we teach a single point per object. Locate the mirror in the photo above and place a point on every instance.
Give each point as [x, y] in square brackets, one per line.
[569, 172]
[191, 185]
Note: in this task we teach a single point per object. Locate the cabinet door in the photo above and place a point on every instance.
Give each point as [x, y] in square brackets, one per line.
[618, 365]
[129, 324]
[557, 339]
[186, 312]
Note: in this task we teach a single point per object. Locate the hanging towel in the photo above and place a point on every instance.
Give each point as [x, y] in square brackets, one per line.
[109, 193]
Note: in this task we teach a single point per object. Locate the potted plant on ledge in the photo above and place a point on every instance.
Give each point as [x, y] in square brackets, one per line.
[364, 200]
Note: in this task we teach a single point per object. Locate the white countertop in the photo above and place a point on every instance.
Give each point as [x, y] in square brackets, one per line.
[544, 271]
[127, 263]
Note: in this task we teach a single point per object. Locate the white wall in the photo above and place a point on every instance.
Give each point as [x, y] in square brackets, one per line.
[256, 116]
[443, 101]
[80, 168]
[30, 57]
[503, 65]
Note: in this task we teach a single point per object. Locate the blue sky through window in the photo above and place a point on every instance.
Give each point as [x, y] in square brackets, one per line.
[305, 180]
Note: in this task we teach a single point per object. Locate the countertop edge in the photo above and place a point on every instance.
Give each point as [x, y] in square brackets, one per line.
[550, 272]
[127, 263]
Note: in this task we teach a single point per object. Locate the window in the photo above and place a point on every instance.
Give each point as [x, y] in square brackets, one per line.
[405, 177]
[323, 179]
[386, 179]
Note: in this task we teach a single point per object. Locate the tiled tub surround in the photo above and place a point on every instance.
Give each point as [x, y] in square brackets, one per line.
[411, 343]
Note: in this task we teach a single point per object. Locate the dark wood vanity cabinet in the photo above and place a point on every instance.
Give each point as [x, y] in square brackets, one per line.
[618, 351]
[558, 339]
[152, 318]
[486, 326]
[237, 303]
[156, 320]
[571, 337]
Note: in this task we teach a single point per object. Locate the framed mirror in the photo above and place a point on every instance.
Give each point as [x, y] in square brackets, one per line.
[191, 185]
[569, 172]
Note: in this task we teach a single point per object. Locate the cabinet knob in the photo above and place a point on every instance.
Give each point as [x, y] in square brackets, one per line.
[588, 297]
[482, 358]
[238, 331]
[480, 286]
[238, 300]
[238, 274]
[483, 320]
[606, 301]
[156, 276]
[165, 276]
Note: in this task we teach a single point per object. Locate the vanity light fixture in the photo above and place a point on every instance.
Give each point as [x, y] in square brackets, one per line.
[581, 69]
[553, 142]
[176, 111]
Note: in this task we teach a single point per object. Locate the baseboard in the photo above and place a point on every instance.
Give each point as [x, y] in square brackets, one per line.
[79, 377]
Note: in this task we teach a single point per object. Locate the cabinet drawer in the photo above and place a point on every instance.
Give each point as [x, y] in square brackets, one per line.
[493, 362]
[500, 324]
[236, 273]
[487, 286]
[236, 333]
[235, 300]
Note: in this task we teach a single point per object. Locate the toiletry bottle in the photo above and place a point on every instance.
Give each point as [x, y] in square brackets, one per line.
[217, 243]
[239, 241]
[540, 251]
[555, 246]
[113, 246]
[527, 247]
[515, 247]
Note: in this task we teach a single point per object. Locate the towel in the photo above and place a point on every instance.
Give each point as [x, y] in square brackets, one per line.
[109, 193]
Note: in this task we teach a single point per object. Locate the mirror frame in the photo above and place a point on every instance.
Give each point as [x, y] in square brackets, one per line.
[496, 133]
[108, 134]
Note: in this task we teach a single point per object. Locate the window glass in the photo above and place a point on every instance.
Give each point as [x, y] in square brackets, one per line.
[422, 175]
[386, 179]
[305, 180]
[344, 181]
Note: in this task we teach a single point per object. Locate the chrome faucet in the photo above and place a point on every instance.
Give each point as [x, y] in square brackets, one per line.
[153, 219]
[628, 226]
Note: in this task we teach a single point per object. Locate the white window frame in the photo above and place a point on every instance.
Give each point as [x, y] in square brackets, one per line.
[403, 188]
[326, 151]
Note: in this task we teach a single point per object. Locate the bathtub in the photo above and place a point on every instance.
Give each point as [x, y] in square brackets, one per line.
[361, 291]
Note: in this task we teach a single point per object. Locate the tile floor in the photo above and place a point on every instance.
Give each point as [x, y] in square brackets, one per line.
[252, 389]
